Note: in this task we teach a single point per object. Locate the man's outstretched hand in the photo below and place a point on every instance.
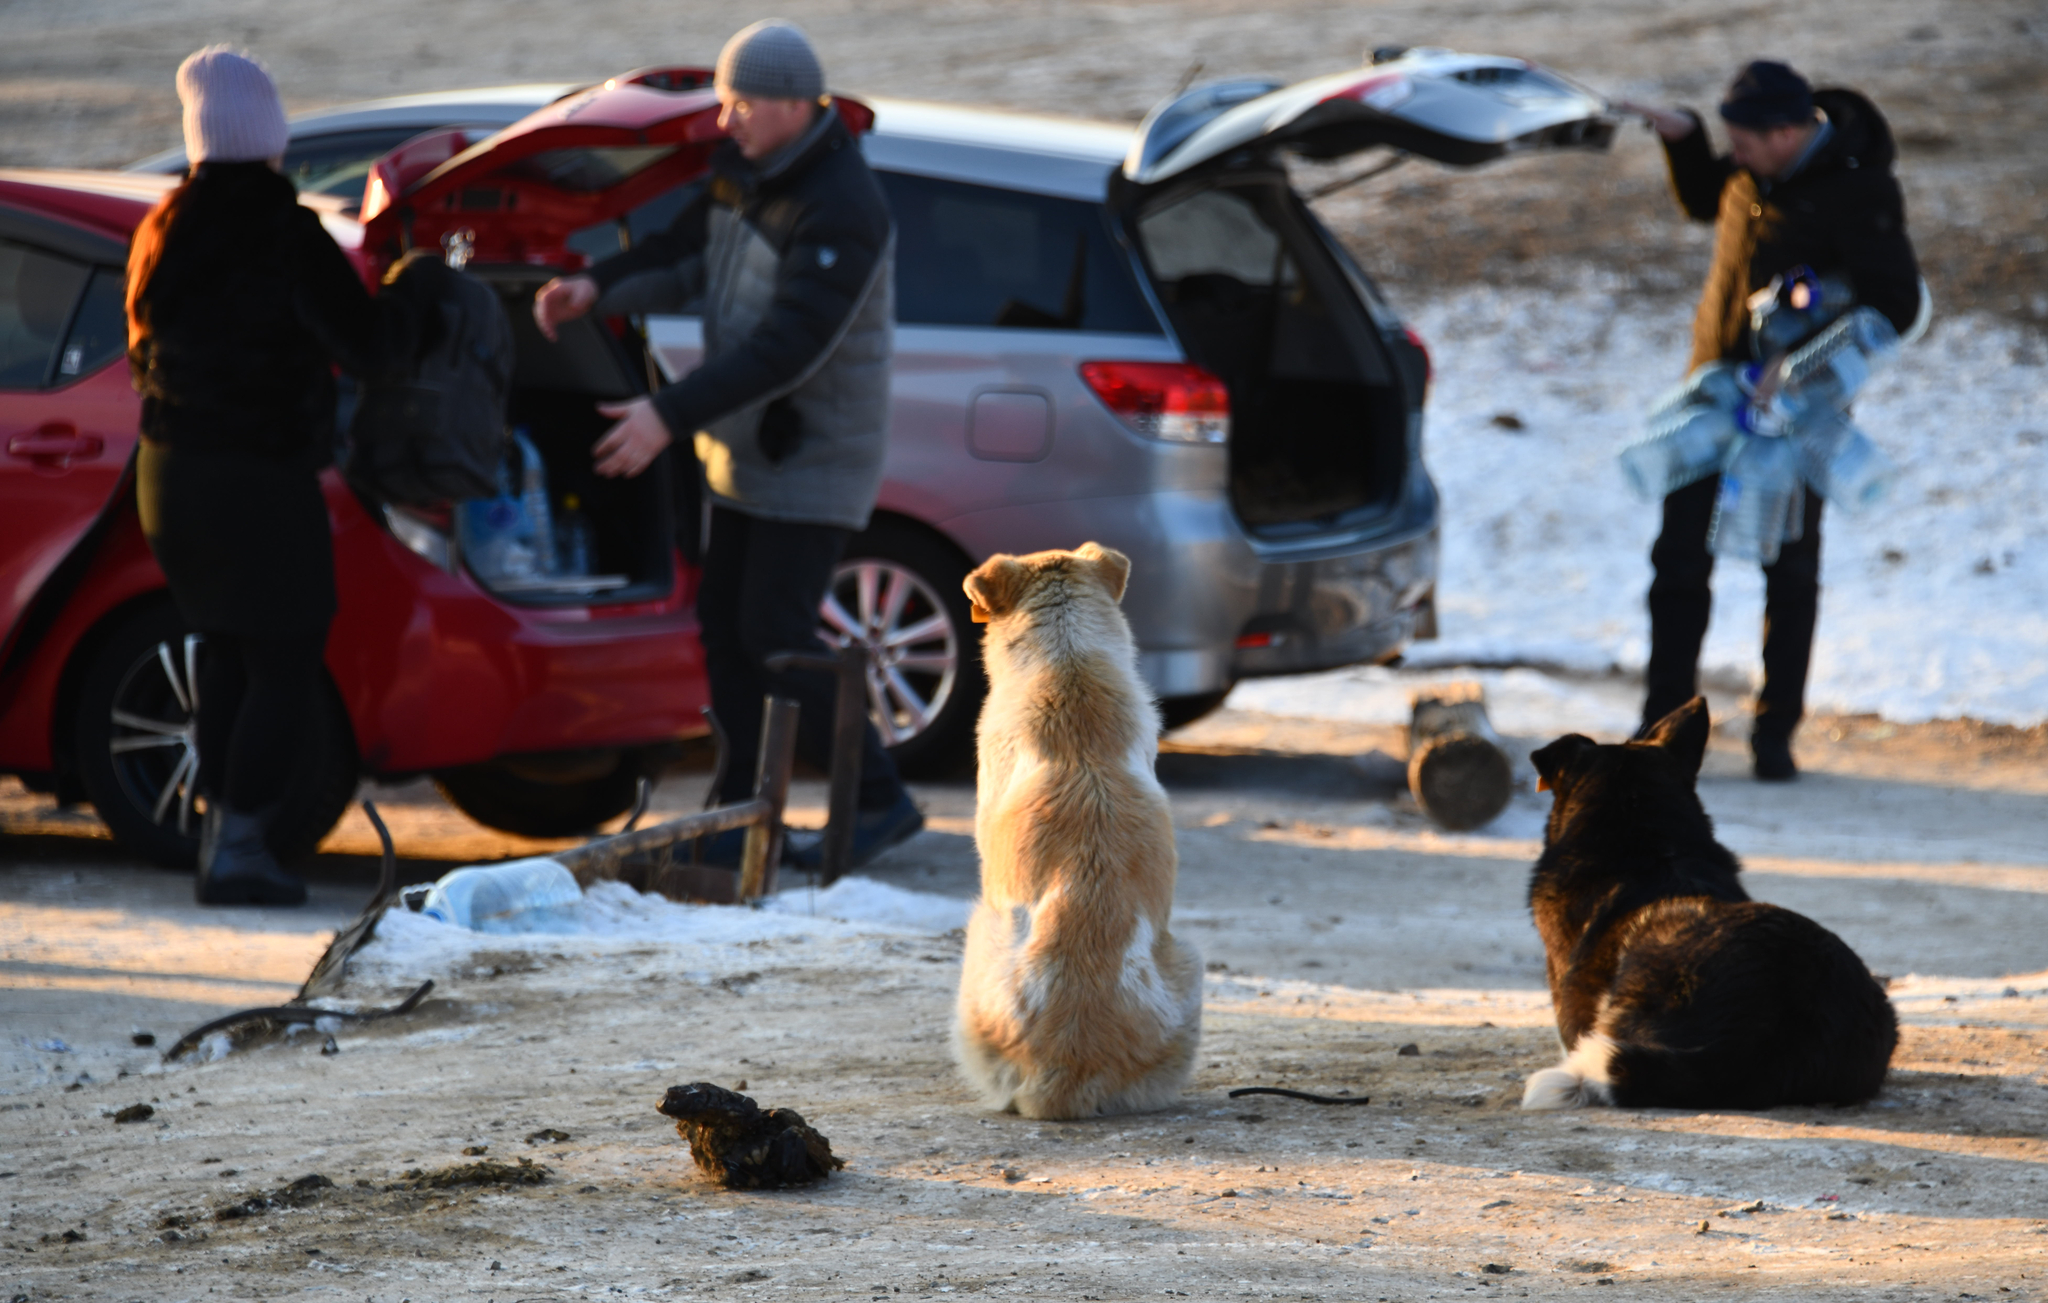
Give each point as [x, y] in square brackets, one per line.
[632, 445]
[1669, 124]
[564, 298]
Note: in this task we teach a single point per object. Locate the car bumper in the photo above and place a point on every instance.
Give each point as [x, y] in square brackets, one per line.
[1209, 605]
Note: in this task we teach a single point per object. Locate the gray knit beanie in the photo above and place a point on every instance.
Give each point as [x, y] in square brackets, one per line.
[232, 113]
[772, 59]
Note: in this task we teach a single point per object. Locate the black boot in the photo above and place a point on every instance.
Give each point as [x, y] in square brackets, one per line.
[1772, 754]
[236, 866]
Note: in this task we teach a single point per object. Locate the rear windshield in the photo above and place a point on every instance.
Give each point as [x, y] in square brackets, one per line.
[969, 255]
[583, 170]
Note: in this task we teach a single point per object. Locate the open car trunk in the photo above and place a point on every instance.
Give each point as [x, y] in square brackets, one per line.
[1318, 414]
[556, 387]
[1319, 410]
[517, 201]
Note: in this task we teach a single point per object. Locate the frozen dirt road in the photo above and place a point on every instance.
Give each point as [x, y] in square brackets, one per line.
[1339, 928]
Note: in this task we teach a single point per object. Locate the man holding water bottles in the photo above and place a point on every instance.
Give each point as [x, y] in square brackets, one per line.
[1807, 182]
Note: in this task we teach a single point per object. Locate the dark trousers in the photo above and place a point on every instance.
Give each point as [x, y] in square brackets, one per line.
[763, 581]
[256, 701]
[1681, 596]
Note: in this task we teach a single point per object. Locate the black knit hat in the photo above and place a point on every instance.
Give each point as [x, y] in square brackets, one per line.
[1767, 94]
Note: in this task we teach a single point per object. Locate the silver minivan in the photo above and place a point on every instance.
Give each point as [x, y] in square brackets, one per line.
[1145, 338]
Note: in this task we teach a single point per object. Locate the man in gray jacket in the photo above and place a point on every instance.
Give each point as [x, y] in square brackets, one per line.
[790, 250]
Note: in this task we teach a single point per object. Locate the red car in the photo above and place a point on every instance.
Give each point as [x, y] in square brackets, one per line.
[536, 708]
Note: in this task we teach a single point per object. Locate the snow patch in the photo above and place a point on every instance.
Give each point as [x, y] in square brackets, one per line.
[864, 900]
[615, 918]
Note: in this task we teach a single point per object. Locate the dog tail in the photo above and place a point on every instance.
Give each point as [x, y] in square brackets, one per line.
[1585, 1077]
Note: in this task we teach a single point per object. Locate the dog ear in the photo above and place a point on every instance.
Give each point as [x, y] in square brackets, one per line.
[1683, 734]
[1113, 566]
[1555, 762]
[994, 587]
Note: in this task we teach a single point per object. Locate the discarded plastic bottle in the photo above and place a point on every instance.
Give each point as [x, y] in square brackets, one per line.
[533, 501]
[1842, 464]
[1824, 374]
[534, 895]
[1761, 502]
[575, 542]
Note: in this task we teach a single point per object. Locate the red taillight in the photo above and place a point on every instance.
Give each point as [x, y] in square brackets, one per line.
[1428, 367]
[1175, 401]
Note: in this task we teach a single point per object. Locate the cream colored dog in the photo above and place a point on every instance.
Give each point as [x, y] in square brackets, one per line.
[1074, 999]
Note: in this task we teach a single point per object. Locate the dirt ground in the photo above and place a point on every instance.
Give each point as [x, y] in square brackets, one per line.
[1340, 931]
[1339, 927]
[1964, 83]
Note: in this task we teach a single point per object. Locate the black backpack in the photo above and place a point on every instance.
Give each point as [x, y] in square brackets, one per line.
[437, 433]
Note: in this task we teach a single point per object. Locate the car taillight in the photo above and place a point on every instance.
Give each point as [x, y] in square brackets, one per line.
[1428, 367]
[1175, 401]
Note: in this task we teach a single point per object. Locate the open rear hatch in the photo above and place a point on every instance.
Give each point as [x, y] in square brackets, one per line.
[516, 199]
[1259, 293]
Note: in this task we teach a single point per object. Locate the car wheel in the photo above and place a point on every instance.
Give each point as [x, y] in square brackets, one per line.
[528, 800]
[898, 594]
[1179, 712]
[138, 758]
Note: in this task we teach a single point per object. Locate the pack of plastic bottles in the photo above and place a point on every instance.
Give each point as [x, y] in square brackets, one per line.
[1770, 431]
[514, 540]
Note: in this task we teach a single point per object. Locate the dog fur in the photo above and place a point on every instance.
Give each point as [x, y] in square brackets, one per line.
[1673, 988]
[1075, 999]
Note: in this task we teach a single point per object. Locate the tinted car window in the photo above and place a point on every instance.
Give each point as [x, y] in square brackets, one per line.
[1211, 233]
[37, 293]
[602, 240]
[99, 331]
[969, 255]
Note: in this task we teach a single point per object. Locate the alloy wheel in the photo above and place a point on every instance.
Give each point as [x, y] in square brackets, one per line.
[913, 648]
[154, 742]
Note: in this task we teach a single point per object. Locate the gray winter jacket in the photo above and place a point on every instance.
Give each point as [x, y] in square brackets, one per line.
[791, 263]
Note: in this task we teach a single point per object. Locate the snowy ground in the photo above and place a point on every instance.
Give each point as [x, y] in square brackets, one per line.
[1934, 603]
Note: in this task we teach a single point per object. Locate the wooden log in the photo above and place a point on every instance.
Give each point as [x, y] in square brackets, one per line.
[763, 849]
[1457, 768]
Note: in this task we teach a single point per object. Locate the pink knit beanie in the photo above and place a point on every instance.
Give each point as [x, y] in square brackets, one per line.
[232, 113]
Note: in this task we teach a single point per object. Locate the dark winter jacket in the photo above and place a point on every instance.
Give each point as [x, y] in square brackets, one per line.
[791, 262]
[1840, 214]
[239, 305]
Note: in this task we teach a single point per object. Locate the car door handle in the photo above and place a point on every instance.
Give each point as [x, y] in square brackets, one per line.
[56, 446]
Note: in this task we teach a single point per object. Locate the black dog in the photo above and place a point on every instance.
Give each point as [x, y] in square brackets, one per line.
[1673, 988]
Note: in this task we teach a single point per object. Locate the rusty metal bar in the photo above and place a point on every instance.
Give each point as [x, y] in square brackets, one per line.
[763, 850]
[599, 860]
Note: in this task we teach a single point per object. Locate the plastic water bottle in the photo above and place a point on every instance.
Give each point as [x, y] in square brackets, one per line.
[1823, 374]
[574, 540]
[1683, 446]
[1762, 500]
[533, 502]
[492, 534]
[1691, 431]
[1793, 307]
[1842, 464]
[536, 895]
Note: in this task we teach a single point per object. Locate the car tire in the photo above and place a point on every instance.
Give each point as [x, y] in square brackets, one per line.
[140, 768]
[898, 582]
[1179, 712]
[527, 801]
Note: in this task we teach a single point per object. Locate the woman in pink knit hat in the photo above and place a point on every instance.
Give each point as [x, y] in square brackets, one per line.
[239, 305]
